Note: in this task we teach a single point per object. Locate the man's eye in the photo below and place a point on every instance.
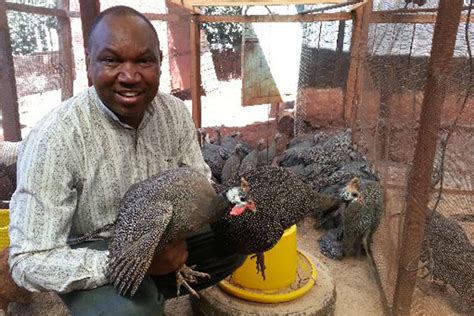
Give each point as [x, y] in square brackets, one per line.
[146, 61]
[109, 61]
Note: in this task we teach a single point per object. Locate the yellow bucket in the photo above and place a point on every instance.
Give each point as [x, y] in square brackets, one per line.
[4, 221]
[280, 266]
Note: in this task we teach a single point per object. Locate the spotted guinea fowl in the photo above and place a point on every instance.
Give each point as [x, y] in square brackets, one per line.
[214, 156]
[159, 210]
[362, 216]
[282, 200]
[230, 171]
[359, 220]
[265, 157]
[250, 161]
[449, 256]
[230, 141]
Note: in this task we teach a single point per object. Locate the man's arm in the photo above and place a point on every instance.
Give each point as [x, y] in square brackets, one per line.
[41, 214]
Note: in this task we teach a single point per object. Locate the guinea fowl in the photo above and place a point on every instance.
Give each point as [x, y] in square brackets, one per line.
[282, 200]
[159, 210]
[265, 157]
[449, 255]
[299, 146]
[230, 171]
[230, 141]
[7, 182]
[360, 218]
[214, 156]
[251, 160]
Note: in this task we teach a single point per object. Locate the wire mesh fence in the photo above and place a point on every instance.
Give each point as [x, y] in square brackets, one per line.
[391, 84]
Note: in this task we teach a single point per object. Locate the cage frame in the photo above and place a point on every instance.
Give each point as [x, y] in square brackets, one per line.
[361, 15]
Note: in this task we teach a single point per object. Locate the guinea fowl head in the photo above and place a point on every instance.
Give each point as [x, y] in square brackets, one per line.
[351, 192]
[238, 197]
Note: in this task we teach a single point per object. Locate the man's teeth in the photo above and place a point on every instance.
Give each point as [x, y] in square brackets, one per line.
[129, 94]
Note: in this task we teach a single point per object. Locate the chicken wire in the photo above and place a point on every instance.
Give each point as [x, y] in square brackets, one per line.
[37, 63]
[386, 128]
[386, 124]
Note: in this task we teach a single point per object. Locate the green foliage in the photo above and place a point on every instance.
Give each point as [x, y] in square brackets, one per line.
[223, 36]
[23, 27]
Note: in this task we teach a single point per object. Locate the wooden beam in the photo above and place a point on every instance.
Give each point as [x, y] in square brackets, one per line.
[9, 104]
[195, 39]
[66, 58]
[35, 10]
[329, 7]
[419, 181]
[419, 10]
[89, 9]
[387, 17]
[321, 17]
[163, 17]
[190, 4]
[361, 18]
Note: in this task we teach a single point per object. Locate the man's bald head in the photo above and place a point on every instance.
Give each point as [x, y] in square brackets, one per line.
[117, 11]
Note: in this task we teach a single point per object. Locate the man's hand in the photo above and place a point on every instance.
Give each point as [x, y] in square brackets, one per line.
[9, 291]
[173, 256]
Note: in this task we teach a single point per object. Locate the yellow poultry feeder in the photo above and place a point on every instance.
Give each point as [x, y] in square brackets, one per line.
[282, 282]
[4, 221]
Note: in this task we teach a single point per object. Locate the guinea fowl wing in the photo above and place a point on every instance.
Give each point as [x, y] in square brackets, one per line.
[154, 212]
[135, 242]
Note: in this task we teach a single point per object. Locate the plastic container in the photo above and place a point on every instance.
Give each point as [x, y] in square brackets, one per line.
[4, 222]
[280, 264]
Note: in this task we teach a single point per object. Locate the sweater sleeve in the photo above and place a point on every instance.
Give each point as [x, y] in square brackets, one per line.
[41, 213]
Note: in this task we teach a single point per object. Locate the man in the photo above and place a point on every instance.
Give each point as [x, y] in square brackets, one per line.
[78, 162]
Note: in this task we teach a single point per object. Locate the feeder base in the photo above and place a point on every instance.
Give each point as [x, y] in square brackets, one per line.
[320, 300]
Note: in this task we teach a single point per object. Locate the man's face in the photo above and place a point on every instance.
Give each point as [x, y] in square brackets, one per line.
[124, 66]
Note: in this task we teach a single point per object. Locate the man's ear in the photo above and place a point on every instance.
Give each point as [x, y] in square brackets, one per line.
[88, 65]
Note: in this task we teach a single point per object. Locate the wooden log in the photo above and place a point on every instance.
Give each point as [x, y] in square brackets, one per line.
[196, 69]
[286, 124]
[66, 58]
[10, 116]
[361, 18]
[89, 10]
[321, 17]
[419, 181]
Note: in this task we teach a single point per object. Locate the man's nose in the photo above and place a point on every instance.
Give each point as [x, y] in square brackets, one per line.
[129, 73]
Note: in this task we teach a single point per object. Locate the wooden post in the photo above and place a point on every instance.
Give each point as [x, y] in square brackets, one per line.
[339, 55]
[89, 10]
[196, 69]
[66, 58]
[360, 30]
[419, 181]
[9, 99]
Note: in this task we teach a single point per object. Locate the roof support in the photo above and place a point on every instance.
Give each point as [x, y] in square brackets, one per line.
[196, 69]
